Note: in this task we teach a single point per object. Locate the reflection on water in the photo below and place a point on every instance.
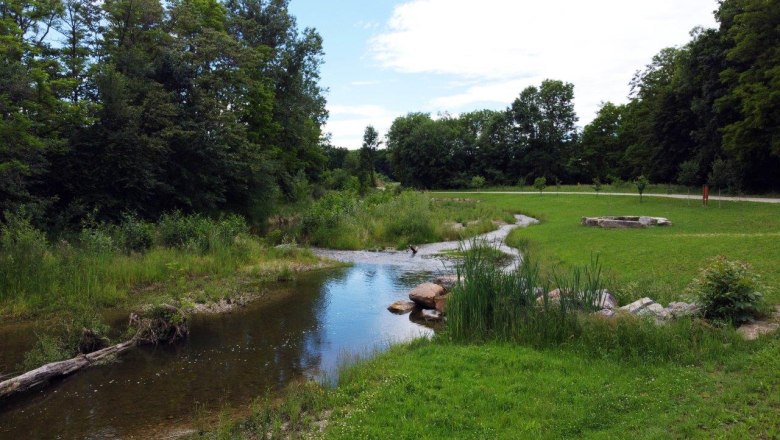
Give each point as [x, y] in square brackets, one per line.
[303, 331]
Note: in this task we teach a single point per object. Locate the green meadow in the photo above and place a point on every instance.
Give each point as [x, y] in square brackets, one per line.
[658, 262]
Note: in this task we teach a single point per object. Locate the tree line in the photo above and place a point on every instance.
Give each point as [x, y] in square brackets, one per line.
[147, 106]
[706, 112]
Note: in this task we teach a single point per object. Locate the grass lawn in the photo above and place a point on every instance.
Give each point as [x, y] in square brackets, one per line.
[440, 390]
[657, 262]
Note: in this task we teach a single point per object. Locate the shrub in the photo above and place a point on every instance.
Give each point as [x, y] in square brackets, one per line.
[641, 183]
[477, 182]
[97, 240]
[727, 291]
[24, 259]
[540, 183]
[198, 233]
[136, 235]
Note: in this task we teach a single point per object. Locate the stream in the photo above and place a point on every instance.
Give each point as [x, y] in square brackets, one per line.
[305, 330]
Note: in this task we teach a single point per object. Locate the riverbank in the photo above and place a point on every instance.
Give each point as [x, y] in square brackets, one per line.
[686, 379]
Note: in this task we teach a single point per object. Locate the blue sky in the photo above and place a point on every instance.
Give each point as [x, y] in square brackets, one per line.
[386, 58]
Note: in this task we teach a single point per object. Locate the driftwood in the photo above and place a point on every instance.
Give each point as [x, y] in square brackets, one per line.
[41, 375]
[168, 326]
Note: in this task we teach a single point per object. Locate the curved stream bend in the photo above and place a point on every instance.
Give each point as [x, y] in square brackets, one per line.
[429, 256]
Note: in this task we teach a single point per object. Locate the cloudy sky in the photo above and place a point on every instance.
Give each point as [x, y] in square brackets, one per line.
[386, 58]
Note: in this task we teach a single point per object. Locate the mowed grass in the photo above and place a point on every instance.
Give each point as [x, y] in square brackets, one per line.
[658, 262]
[494, 390]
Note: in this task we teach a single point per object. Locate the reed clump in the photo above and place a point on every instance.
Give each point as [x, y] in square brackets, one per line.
[490, 304]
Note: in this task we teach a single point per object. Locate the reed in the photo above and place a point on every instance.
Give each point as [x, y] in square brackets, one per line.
[490, 304]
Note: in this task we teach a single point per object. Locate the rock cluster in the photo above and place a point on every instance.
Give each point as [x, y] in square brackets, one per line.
[625, 221]
[603, 300]
[428, 300]
[650, 308]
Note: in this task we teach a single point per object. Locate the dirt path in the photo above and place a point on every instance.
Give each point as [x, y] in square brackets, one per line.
[668, 196]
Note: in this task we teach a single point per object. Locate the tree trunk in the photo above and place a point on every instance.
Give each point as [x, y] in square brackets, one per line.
[41, 375]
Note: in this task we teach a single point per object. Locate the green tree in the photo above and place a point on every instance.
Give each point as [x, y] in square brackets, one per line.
[688, 175]
[753, 81]
[32, 118]
[544, 128]
[596, 185]
[641, 183]
[540, 183]
[371, 143]
[602, 147]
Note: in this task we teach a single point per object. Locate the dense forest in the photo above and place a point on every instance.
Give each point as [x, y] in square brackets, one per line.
[144, 106]
[207, 106]
[706, 112]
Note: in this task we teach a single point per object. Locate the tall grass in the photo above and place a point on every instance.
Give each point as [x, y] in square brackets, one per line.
[342, 220]
[490, 304]
[104, 265]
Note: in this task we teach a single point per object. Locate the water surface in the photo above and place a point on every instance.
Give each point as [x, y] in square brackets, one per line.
[304, 330]
[307, 328]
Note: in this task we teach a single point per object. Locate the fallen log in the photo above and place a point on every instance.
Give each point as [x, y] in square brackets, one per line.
[41, 375]
[166, 324]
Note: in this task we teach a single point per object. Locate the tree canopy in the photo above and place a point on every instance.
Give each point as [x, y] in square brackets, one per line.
[147, 106]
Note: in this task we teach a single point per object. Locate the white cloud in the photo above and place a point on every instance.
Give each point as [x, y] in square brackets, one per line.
[347, 123]
[366, 25]
[506, 45]
[364, 83]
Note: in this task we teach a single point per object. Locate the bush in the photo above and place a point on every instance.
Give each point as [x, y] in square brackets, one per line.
[540, 183]
[136, 235]
[727, 291]
[24, 259]
[97, 240]
[477, 182]
[198, 233]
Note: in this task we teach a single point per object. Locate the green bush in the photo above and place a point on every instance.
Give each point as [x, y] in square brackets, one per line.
[136, 235]
[24, 258]
[727, 291]
[477, 182]
[540, 183]
[198, 233]
[97, 240]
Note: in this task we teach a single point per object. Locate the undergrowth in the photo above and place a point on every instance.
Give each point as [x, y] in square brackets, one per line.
[106, 265]
[343, 220]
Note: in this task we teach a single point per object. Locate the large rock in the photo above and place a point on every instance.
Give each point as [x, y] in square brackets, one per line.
[653, 310]
[637, 305]
[625, 221]
[620, 224]
[605, 300]
[425, 295]
[754, 330]
[401, 307]
[441, 303]
[607, 313]
[680, 309]
[553, 298]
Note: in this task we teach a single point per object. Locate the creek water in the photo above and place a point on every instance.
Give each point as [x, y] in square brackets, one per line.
[306, 329]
